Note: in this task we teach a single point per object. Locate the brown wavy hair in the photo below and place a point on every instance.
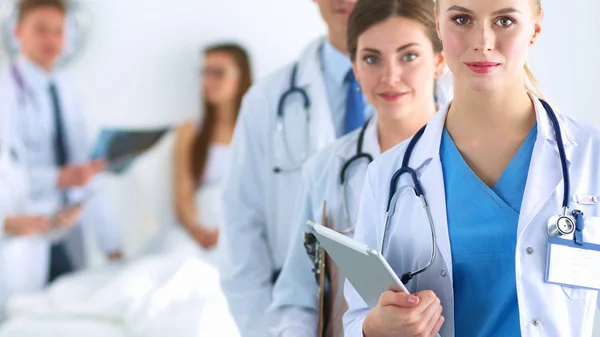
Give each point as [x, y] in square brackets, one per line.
[201, 143]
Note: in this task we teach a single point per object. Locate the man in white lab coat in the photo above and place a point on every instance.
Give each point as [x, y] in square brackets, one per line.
[50, 125]
[261, 186]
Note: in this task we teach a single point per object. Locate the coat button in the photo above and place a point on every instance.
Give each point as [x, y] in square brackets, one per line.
[529, 250]
[536, 322]
[443, 273]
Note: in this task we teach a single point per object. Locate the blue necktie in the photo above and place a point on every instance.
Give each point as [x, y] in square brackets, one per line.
[355, 107]
[60, 263]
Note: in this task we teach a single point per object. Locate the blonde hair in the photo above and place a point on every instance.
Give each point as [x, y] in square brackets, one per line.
[532, 85]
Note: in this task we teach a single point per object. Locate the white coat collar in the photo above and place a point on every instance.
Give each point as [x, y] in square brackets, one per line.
[370, 142]
[34, 77]
[428, 147]
[310, 60]
[310, 78]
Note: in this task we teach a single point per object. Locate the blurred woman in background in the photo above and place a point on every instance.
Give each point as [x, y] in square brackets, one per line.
[201, 156]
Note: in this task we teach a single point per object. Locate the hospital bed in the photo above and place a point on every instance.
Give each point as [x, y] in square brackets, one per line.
[147, 295]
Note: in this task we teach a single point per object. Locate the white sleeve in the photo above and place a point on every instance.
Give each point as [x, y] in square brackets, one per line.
[247, 268]
[295, 293]
[367, 212]
[296, 322]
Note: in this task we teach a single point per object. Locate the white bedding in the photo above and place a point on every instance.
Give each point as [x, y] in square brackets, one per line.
[171, 289]
[156, 296]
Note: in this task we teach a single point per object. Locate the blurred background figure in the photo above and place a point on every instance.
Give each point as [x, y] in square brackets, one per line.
[201, 157]
[48, 120]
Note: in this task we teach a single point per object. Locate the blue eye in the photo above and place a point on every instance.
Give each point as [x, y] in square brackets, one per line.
[409, 57]
[505, 22]
[461, 20]
[370, 59]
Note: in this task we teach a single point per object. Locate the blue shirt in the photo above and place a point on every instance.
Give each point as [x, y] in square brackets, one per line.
[336, 66]
[482, 225]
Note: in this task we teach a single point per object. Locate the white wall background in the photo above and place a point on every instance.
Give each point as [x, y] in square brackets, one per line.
[141, 65]
[566, 58]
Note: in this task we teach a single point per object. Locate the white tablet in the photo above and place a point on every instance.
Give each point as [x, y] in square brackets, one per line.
[367, 271]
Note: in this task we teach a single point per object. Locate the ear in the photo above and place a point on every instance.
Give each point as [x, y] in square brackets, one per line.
[440, 64]
[537, 28]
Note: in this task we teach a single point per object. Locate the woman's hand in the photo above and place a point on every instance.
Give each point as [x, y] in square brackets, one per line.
[67, 217]
[205, 236]
[404, 315]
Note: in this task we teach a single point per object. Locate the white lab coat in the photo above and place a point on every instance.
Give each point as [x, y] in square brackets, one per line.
[294, 308]
[16, 253]
[558, 310]
[259, 203]
[30, 116]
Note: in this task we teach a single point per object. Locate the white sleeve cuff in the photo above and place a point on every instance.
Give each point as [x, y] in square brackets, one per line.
[294, 322]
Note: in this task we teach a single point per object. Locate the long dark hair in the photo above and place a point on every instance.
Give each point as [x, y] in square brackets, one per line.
[201, 143]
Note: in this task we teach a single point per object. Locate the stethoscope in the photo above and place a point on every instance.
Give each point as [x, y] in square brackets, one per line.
[557, 225]
[358, 156]
[281, 132]
[23, 92]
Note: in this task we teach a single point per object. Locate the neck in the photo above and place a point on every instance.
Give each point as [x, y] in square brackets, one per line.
[225, 114]
[507, 111]
[393, 131]
[338, 40]
[45, 65]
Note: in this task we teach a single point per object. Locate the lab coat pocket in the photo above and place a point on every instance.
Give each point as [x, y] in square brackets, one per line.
[591, 234]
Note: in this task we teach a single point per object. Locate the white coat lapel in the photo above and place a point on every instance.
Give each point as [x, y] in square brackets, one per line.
[310, 77]
[545, 175]
[426, 161]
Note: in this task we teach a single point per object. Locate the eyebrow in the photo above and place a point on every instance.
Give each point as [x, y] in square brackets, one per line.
[503, 11]
[401, 48]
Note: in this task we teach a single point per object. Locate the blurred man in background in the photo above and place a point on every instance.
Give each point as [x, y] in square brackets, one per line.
[50, 124]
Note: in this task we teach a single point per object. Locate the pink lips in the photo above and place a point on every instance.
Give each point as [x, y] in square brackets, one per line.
[391, 96]
[482, 67]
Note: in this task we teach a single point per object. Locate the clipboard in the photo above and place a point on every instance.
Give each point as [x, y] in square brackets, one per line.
[322, 307]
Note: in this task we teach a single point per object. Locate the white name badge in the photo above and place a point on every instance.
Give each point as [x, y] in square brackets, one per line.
[573, 265]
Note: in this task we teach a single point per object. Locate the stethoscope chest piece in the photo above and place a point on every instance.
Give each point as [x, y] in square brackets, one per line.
[561, 225]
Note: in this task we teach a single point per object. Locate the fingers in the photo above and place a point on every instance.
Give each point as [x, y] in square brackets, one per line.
[431, 316]
[97, 165]
[402, 300]
[438, 326]
[426, 299]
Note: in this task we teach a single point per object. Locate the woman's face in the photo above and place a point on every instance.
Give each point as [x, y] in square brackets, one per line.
[220, 78]
[486, 41]
[396, 67]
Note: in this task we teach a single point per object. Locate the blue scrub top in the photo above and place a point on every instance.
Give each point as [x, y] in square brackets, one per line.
[482, 225]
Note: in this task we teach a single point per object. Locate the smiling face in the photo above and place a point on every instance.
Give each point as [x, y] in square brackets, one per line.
[396, 66]
[486, 42]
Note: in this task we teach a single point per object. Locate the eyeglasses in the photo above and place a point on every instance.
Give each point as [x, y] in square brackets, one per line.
[218, 73]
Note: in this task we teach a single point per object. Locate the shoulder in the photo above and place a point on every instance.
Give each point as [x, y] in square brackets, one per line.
[185, 131]
[581, 132]
[272, 86]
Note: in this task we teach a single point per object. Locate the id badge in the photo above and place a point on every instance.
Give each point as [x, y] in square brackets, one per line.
[572, 264]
